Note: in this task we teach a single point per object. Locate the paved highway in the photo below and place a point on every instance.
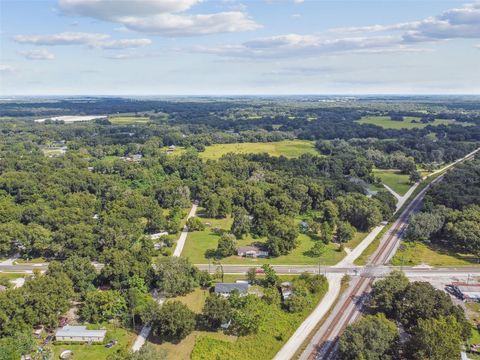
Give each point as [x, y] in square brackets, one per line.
[324, 343]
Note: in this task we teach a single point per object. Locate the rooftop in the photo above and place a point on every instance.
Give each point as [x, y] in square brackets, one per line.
[229, 287]
[69, 330]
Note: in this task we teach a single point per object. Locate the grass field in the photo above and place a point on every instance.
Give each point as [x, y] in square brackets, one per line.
[417, 253]
[6, 278]
[199, 242]
[182, 351]
[127, 120]
[386, 123]
[124, 337]
[287, 148]
[393, 178]
[275, 329]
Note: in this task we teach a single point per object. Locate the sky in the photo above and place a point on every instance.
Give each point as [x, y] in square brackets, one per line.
[230, 47]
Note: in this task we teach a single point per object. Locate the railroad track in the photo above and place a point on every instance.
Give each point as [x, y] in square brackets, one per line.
[326, 347]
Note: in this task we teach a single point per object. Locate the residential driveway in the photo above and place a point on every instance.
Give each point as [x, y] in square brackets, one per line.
[184, 234]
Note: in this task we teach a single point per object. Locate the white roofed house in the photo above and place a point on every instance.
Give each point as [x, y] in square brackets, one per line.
[79, 334]
[252, 251]
[158, 244]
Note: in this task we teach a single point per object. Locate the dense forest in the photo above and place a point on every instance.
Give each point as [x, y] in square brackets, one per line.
[450, 217]
[77, 193]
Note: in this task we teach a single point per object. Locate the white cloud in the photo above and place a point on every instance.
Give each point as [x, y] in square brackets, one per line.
[65, 38]
[461, 22]
[93, 40]
[457, 23]
[114, 9]
[298, 1]
[122, 44]
[160, 17]
[293, 45]
[191, 25]
[38, 54]
[6, 68]
[126, 56]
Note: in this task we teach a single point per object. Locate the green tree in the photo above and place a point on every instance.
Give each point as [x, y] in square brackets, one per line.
[79, 270]
[435, 339]
[371, 338]
[252, 275]
[216, 311]
[271, 277]
[13, 347]
[386, 291]
[102, 306]
[195, 224]
[227, 245]
[174, 321]
[241, 223]
[175, 276]
[345, 232]
[423, 225]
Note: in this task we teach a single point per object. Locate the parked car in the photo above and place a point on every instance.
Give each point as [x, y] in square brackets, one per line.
[111, 344]
[47, 339]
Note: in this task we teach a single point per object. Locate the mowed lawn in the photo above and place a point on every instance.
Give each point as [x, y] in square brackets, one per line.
[287, 148]
[418, 253]
[200, 242]
[126, 120]
[397, 181]
[407, 123]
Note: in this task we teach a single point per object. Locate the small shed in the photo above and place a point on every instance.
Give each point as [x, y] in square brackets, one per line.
[79, 334]
[286, 290]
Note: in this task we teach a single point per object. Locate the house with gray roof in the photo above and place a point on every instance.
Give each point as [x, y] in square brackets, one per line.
[79, 334]
[225, 289]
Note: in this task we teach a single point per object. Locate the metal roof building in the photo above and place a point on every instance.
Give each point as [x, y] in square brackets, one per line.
[226, 288]
[80, 334]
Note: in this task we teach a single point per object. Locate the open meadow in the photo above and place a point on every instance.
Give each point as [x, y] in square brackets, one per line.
[287, 148]
[395, 179]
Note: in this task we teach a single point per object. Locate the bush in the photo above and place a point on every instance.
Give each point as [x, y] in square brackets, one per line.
[195, 224]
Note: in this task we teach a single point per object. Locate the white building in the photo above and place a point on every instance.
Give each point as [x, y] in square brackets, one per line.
[80, 334]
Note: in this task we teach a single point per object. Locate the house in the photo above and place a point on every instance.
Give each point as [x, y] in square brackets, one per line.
[157, 235]
[159, 244]
[79, 334]
[252, 251]
[225, 289]
[171, 149]
[286, 290]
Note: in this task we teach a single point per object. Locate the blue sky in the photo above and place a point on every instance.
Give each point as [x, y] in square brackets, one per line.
[189, 47]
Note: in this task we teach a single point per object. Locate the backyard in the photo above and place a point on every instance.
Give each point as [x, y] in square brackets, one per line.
[199, 242]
